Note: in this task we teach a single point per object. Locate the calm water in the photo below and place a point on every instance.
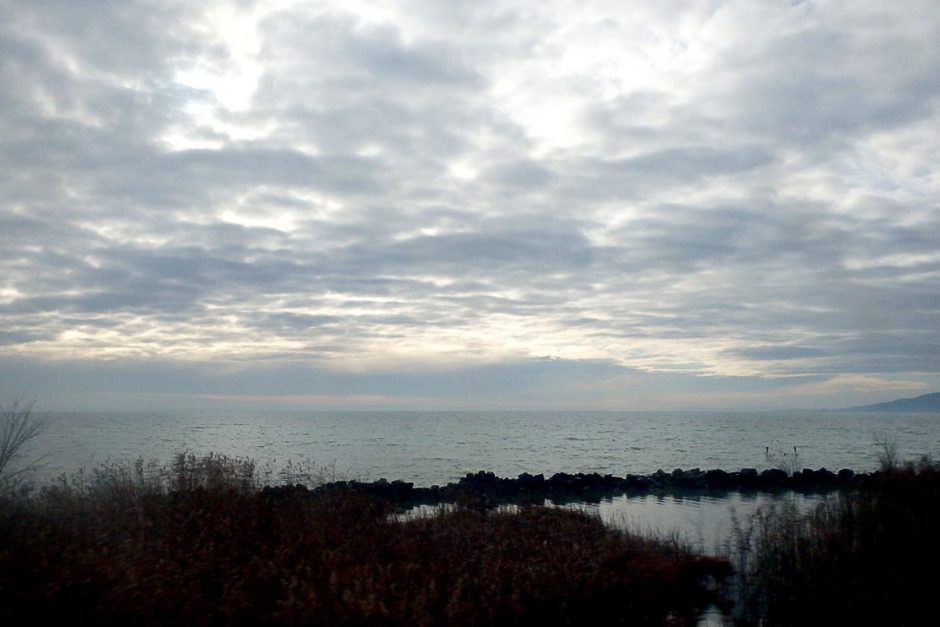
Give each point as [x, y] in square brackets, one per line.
[705, 522]
[439, 447]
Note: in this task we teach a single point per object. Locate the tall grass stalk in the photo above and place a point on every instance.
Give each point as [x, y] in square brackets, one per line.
[862, 557]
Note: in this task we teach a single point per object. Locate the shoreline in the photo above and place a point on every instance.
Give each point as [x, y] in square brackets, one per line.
[199, 542]
[486, 488]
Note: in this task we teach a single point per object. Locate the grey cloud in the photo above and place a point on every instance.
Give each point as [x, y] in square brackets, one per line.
[519, 174]
[670, 168]
[17, 337]
[385, 55]
[719, 216]
[681, 238]
[507, 384]
[758, 251]
[373, 89]
[486, 251]
[251, 166]
[865, 72]
[692, 162]
[355, 49]
[774, 353]
[113, 64]
[15, 230]
[147, 34]
[300, 321]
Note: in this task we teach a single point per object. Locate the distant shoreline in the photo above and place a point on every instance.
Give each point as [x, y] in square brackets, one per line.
[925, 403]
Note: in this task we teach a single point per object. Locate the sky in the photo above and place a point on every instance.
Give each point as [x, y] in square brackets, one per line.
[474, 204]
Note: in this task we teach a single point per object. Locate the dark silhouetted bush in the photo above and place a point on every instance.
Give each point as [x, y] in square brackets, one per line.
[862, 557]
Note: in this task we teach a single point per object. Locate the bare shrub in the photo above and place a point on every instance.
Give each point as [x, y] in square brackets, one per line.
[888, 451]
[18, 425]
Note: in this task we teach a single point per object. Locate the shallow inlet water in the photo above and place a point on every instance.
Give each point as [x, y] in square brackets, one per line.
[704, 521]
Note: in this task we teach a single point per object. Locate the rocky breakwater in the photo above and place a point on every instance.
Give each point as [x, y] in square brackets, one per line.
[485, 489]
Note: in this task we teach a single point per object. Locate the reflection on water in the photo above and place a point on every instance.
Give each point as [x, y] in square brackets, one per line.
[705, 522]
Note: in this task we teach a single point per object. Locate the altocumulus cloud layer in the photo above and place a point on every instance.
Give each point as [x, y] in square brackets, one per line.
[418, 203]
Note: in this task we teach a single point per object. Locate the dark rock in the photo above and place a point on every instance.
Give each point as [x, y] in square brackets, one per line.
[638, 483]
[748, 478]
[561, 479]
[484, 489]
[528, 480]
[807, 476]
[824, 476]
[690, 479]
[718, 479]
[774, 478]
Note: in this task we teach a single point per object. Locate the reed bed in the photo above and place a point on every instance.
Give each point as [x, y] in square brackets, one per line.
[197, 542]
[862, 557]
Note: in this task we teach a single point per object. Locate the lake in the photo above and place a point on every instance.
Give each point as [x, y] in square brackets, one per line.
[439, 447]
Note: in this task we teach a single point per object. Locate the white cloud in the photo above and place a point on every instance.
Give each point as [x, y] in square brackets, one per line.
[740, 189]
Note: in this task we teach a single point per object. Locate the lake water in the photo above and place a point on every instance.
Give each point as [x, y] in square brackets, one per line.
[439, 447]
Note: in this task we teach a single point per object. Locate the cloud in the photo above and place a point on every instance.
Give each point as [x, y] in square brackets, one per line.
[732, 191]
[541, 384]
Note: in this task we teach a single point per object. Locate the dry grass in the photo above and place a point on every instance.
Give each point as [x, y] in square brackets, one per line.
[866, 557]
[196, 543]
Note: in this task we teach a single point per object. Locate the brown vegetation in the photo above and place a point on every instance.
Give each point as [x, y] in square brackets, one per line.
[198, 544]
[863, 557]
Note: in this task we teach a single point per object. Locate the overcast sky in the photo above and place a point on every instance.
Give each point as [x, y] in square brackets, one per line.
[469, 204]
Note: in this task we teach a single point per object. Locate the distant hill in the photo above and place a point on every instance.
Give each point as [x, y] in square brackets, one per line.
[927, 402]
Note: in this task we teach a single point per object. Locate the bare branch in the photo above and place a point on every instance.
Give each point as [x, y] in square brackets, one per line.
[18, 425]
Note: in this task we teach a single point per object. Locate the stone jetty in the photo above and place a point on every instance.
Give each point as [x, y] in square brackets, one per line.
[486, 489]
